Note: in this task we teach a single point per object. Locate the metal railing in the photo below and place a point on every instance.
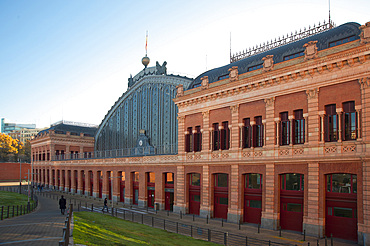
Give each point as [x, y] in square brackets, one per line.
[126, 152]
[185, 229]
[13, 211]
[282, 41]
[67, 227]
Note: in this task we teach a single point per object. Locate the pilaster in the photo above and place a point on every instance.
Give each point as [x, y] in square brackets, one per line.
[179, 203]
[235, 212]
[270, 216]
[206, 193]
[312, 223]
[313, 118]
[234, 127]
[181, 136]
[365, 108]
[205, 133]
[270, 124]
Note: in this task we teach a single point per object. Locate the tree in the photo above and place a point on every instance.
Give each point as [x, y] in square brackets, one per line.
[9, 148]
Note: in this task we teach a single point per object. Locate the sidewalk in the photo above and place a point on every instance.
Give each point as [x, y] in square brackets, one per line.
[42, 227]
[250, 230]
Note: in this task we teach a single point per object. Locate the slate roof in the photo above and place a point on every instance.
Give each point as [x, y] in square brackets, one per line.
[74, 130]
[324, 38]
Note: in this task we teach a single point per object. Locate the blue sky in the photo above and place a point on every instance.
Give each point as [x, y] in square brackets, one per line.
[71, 59]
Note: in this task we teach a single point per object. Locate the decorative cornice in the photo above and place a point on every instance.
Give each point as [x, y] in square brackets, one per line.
[323, 65]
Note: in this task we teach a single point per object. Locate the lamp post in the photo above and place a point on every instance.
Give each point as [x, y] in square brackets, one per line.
[20, 175]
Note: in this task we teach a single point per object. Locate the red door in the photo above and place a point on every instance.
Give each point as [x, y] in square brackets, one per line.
[122, 191]
[221, 205]
[100, 185]
[151, 198]
[83, 183]
[76, 181]
[341, 206]
[136, 193]
[341, 217]
[291, 210]
[91, 183]
[194, 202]
[252, 208]
[69, 181]
[169, 201]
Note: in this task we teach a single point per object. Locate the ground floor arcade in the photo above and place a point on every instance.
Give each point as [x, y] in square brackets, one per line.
[320, 198]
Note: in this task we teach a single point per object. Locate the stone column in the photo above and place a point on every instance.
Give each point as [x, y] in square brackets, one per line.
[305, 117]
[365, 111]
[270, 216]
[181, 135]
[358, 121]
[291, 122]
[206, 133]
[313, 125]
[116, 185]
[312, 223]
[106, 180]
[277, 127]
[270, 124]
[80, 182]
[364, 226]
[206, 208]
[96, 179]
[179, 199]
[235, 198]
[159, 190]
[62, 178]
[234, 128]
[143, 190]
[129, 178]
[340, 127]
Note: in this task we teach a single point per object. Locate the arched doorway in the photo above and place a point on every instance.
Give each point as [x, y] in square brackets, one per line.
[341, 206]
[221, 195]
[252, 198]
[194, 193]
[291, 201]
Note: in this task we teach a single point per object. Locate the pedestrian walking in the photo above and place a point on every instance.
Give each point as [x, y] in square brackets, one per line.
[105, 205]
[62, 205]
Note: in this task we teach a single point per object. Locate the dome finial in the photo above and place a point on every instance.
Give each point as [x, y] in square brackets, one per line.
[145, 61]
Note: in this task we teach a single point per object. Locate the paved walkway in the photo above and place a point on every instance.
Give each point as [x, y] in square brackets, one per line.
[250, 230]
[42, 227]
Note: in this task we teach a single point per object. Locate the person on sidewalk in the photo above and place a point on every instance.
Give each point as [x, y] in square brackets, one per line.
[62, 205]
[105, 205]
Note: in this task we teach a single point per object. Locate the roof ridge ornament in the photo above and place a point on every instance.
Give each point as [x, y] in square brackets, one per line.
[283, 41]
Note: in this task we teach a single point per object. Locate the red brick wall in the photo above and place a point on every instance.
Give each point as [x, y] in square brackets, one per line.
[10, 171]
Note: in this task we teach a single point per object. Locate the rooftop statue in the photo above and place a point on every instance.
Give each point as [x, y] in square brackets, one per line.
[161, 69]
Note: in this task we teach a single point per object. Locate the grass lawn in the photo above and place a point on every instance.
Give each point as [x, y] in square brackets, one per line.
[12, 199]
[98, 229]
